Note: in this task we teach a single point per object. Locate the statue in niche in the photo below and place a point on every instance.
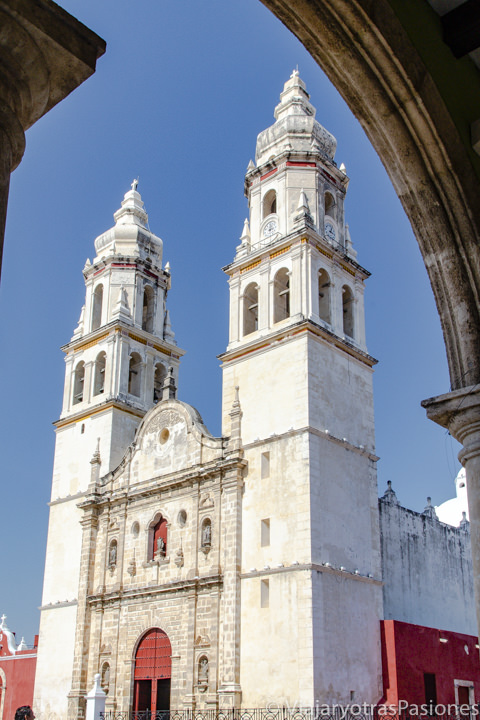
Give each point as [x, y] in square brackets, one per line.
[112, 555]
[203, 671]
[207, 535]
[161, 547]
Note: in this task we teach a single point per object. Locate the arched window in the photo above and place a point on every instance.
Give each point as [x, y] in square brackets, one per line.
[281, 295]
[148, 306]
[347, 305]
[135, 374]
[269, 204]
[152, 674]
[99, 378]
[157, 540]
[78, 383]
[330, 205]
[250, 309]
[324, 295]
[97, 307]
[158, 380]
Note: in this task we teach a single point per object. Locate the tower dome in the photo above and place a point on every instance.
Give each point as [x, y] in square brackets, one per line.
[295, 129]
[130, 234]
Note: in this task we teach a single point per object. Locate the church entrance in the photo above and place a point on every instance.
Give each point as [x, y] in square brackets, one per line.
[153, 672]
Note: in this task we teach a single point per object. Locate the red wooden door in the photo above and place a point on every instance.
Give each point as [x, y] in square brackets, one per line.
[153, 671]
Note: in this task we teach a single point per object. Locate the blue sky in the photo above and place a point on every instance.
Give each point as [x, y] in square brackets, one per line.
[178, 100]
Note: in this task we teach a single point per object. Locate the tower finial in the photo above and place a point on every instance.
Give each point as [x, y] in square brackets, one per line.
[135, 184]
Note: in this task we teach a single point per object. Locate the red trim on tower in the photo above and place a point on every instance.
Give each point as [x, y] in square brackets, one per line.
[291, 163]
[332, 179]
[272, 172]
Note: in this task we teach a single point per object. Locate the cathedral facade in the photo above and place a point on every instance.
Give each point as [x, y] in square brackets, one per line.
[238, 571]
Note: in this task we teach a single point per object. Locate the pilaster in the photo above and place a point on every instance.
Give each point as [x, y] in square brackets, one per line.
[76, 696]
[229, 676]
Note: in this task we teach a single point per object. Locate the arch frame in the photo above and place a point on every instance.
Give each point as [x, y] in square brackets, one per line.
[367, 52]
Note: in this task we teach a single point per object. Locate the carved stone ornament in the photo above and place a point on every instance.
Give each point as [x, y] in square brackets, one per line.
[132, 567]
[179, 558]
[206, 501]
[164, 419]
[202, 641]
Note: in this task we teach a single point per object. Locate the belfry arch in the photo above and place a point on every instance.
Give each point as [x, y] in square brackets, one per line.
[395, 85]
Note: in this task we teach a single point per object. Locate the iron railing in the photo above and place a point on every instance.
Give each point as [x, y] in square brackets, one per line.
[318, 712]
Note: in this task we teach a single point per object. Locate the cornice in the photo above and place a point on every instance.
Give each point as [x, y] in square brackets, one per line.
[143, 593]
[323, 164]
[302, 326]
[325, 434]
[297, 237]
[89, 412]
[312, 567]
[117, 327]
[157, 484]
[116, 261]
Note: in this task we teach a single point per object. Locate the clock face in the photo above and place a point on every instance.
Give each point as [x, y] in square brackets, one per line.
[270, 228]
[329, 231]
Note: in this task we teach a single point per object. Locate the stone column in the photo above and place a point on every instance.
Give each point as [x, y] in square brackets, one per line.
[296, 282]
[46, 54]
[234, 283]
[263, 298]
[149, 374]
[12, 145]
[459, 412]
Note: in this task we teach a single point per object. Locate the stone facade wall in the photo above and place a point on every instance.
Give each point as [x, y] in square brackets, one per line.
[427, 570]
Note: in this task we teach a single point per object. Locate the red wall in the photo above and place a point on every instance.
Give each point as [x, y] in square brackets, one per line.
[19, 670]
[409, 651]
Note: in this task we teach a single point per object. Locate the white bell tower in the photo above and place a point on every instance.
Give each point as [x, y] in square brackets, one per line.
[117, 368]
[297, 352]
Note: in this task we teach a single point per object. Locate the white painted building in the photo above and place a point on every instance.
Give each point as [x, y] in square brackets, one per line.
[206, 572]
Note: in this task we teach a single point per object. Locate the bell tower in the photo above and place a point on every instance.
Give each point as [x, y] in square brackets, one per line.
[297, 352]
[119, 359]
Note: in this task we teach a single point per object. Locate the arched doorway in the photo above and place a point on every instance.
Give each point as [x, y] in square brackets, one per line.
[153, 672]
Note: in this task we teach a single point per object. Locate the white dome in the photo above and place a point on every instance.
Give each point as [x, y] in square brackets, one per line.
[451, 511]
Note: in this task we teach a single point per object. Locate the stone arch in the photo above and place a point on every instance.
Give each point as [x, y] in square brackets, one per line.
[148, 308]
[389, 88]
[78, 383]
[269, 203]
[152, 672]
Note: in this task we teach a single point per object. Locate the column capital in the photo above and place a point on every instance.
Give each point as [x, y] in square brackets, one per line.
[459, 412]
